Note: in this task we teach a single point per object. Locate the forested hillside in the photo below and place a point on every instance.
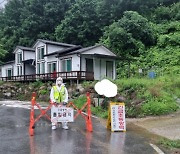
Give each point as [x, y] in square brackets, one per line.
[147, 31]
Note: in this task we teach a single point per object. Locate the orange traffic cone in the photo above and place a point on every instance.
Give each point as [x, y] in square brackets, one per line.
[31, 125]
[88, 119]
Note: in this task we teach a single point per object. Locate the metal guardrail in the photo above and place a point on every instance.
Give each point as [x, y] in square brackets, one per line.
[73, 75]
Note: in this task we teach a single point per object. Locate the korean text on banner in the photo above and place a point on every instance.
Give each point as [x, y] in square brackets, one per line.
[62, 114]
[118, 122]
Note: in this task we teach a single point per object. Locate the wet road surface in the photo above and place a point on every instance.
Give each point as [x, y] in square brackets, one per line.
[14, 137]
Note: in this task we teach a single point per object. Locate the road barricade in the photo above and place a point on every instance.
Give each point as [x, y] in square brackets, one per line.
[43, 113]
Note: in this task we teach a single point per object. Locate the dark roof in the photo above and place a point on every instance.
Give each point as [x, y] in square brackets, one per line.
[26, 48]
[65, 51]
[104, 56]
[9, 62]
[54, 43]
[77, 51]
[28, 61]
[80, 51]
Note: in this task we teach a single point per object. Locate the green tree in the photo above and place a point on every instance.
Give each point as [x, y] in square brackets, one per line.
[130, 35]
[22, 22]
[166, 13]
[112, 10]
[2, 53]
[165, 56]
[80, 25]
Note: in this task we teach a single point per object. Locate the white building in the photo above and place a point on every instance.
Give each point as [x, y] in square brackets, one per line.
[7, 69]
[24, 58]
[60, 59]
[46, 51]
[97, 59]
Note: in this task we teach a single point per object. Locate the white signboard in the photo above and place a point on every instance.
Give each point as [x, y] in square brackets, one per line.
[62, 114]
[118, 117]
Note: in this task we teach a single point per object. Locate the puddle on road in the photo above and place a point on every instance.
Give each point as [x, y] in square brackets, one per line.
[142, 132]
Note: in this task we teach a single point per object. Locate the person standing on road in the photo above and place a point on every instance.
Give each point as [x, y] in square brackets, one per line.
[59, 96]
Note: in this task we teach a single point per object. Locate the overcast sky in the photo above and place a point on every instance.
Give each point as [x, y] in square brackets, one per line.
[2, 3]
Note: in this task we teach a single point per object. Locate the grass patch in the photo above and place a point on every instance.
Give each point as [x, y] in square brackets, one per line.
[143, 96]
[79, 102]
[146, 97]
[169, 143]
[44, 92]
[98, 111]
[155, 107]
[1, 83]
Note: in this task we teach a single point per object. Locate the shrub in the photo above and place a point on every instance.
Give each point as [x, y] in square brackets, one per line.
[79, 102]
[98, 111]
[159, 107]
[44, 92]
[86, 84]
[37, 84]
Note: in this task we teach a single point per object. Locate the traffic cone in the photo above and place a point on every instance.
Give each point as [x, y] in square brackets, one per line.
[31, 125]
[88, 119]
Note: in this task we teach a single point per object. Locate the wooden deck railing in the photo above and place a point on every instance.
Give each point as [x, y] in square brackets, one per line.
[73, 75]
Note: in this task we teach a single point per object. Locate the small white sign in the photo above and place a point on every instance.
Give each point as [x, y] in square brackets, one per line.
[118, 117]
[62, 114]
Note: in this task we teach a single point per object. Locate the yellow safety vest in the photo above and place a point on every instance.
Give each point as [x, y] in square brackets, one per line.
[59, 96]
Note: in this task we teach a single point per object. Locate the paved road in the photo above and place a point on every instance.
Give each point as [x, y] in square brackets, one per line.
[14, 137]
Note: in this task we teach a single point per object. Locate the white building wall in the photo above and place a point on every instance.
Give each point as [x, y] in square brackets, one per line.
[100, 50]
[5, 67]
[51, 59]
[48, 49]
[0, 71]
[16, 62]
[15, 70]
[75, 62]
[99, 67]
[40, 44]
[114, 70]
[103, 68]
[29, 55]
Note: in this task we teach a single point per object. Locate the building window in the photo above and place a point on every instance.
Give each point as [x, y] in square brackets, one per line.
[19, 57]
[66, 65]
[38, 68]
[51, 67]
[41, 68]
[19, 70]
[40, 53]
[9, 72]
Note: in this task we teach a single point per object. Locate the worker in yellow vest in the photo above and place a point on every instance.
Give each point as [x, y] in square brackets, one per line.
[59, 96]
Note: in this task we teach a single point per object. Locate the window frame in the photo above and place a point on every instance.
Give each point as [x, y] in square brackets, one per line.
[38, 68]
[40, 56]
[50, 65]
[9, 69]
[64, 67]
[19, 58]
